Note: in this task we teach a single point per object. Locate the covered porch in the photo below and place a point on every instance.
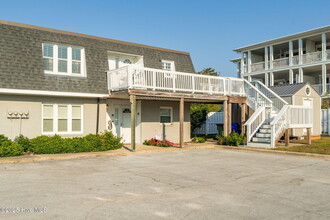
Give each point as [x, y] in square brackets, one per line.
[151, 90]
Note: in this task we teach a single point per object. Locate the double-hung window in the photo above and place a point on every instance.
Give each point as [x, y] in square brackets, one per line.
[165, 115]
[63, 60]
[62, 118]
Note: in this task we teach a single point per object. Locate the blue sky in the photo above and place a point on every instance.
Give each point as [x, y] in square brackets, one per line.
[208, 29]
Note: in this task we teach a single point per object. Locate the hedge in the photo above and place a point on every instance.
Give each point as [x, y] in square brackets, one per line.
[9, 148]
[56, 144]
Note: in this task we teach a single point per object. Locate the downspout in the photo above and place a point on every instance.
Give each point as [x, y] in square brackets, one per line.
[97, 115]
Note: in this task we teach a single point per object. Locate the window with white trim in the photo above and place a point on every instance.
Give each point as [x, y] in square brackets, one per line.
[165, 114]
[63, 59]
[168, 65]
[62, 118]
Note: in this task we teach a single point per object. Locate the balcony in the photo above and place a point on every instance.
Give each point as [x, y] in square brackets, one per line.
[312, 57]
[141, 78]
[318, 88]
[283, 62]
[255, 67]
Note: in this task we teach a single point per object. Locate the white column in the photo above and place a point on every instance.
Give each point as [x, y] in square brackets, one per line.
[301, 75]
[249, 78]
[300, 49]
[291, 76]
[239, 70]
[290, 52]
[242, 64]
[266, 58]
[271, 56]
[266, 79]
[271, 79]
[324, 46]
[249, 61]
[324, 79]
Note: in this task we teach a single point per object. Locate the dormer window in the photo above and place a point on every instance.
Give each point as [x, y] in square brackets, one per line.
[168, 65]
[64, 60]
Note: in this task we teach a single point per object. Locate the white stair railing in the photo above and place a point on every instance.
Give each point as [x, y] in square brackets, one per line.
[255, 98]
[278, 125]
[278, 102]
[262, 106]
[255, 121]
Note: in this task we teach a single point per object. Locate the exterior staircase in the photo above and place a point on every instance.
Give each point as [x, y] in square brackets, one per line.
[272, 115]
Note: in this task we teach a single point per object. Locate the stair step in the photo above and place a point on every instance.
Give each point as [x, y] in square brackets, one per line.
[263, 135]
[261, 139]
[265, 130]
[265, 126]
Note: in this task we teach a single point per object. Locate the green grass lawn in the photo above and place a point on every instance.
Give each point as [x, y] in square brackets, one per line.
[321, 146]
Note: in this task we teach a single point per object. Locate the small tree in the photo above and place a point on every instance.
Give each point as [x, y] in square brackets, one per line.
[209, 71]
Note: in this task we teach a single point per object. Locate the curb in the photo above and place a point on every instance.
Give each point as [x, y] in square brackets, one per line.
[120, 152]
[275, 152]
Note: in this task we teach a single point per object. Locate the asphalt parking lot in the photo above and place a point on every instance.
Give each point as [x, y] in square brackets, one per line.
[192, 184]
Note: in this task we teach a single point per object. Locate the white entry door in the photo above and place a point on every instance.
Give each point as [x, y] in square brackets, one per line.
[125, 128]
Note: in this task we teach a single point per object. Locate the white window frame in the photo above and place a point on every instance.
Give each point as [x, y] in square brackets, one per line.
[55, 58]
[171, 115]
[55, 119]
[171, 62]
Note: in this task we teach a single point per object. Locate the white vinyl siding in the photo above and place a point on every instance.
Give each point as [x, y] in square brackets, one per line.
[64, 60]
[62, 119]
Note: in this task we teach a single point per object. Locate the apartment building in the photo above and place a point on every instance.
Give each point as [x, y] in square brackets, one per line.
[297, 58]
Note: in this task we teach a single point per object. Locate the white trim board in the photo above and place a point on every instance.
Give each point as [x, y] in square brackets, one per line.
[51, 93]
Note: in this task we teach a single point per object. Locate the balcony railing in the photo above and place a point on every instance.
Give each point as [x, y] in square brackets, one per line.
[311, 57]
[281, 62]
[318, 88]
[285, 62]
[257, 66]
[141, 78]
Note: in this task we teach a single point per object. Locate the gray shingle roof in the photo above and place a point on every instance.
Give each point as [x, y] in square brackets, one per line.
[287, 90]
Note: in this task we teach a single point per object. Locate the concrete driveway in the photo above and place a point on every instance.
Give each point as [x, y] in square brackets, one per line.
[192, 184]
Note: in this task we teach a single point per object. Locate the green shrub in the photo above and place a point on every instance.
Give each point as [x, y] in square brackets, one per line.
[110, 142]
[50, 145]
[23, 141]
[198, 140]
[234, 139]
[89, 143]
[9, 148]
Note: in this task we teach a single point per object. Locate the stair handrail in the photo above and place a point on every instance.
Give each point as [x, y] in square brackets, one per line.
[276, 127]
[274, 94]
[267, 100]
[254, 122]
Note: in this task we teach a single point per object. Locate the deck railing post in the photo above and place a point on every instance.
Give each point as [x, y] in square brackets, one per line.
[153, 80]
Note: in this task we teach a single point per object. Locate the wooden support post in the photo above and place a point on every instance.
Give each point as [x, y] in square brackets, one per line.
[309, 138]
[243, 115]
[225, 116]
[287, 137]
[181, 122]
[133, 120]
[230, 109]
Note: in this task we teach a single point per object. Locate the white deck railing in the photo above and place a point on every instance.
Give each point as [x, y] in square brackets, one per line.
[257, 66]
[311, 57]
[135, 77]
[281, 62]
[291, 116]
